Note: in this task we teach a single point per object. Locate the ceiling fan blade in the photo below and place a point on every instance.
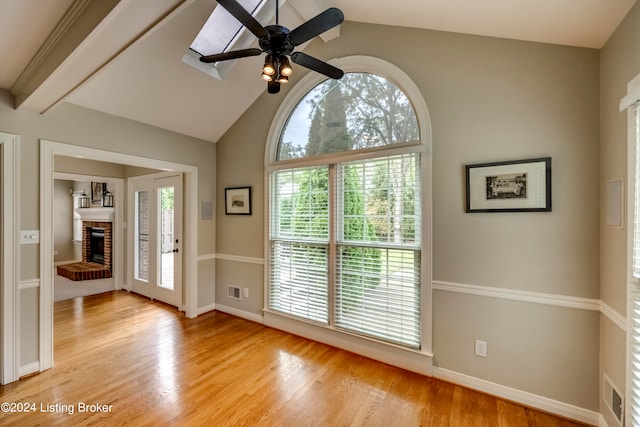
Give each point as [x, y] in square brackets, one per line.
[316, 65]
[234, 54]
[273, 87]
[316, 26]
[245, 18]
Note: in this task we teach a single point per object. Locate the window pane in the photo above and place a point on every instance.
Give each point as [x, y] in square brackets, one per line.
[381, 200]
[300, 204]
[361, 110]
[299, 250]
[299, 280]
[142, 235]
[378, 293]
[221, 29]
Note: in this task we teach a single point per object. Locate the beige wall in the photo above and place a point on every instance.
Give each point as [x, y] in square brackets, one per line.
[619, 63]
[489, 100]
[74, 125]
[63, 220]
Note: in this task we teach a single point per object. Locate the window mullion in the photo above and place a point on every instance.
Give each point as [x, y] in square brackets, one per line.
[335, 209]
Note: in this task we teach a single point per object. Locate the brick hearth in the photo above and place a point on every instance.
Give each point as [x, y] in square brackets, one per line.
[83, 271]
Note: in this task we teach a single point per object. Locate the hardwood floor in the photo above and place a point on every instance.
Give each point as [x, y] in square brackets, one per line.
[146, 364]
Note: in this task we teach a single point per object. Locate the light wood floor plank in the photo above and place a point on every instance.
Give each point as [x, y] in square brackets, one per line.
[153, 367]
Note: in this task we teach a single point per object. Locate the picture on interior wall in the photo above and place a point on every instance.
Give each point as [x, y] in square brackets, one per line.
[511, 186]
[237, 201]
[97, 191]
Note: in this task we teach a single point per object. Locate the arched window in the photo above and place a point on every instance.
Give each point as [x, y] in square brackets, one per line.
[347, 164]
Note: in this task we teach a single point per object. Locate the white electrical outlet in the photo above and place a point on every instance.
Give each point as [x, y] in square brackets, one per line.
[481, 348]
[246, 292]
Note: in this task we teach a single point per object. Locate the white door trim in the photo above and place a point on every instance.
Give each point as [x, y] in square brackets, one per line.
[48, 149]
[10, 262]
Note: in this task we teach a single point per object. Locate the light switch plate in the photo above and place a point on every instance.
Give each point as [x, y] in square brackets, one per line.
[29, 237]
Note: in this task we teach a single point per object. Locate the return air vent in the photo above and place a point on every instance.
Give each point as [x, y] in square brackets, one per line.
[613, 399]
[233, 292]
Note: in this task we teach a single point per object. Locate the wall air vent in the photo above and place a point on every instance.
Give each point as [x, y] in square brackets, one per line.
[233, 292]
[613, 399]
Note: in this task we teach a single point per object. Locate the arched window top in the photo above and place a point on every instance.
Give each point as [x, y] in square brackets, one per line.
[374, 105]
[362, 110]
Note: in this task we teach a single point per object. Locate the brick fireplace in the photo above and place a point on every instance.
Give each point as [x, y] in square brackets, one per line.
[97, 247]
[90, 252]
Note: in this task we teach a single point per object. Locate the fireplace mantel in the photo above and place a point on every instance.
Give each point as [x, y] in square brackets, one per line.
[96, 214]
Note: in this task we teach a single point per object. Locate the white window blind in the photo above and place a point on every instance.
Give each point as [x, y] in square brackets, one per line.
[634, 398]
[635, 136]
[299, 236]
[378, 256]
[634, 291]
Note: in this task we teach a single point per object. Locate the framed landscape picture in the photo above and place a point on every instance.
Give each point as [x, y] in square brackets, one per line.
[237, 201]
[511, 186]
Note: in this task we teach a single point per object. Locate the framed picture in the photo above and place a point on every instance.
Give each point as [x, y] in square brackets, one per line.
[513, 186]
[237, 201]
[97, 190]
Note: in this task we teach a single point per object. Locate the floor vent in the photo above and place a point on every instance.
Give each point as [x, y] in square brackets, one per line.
[613, 399]
[233, 292]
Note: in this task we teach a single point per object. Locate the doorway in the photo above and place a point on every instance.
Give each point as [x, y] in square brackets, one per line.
[156, 239]
[189, 245]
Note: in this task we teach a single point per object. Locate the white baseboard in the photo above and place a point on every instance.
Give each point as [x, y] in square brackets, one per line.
[240, 313]
[525, 398]
[205, 309]
[29, 368]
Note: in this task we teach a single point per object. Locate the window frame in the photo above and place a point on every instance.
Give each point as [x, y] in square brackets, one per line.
[364, 64]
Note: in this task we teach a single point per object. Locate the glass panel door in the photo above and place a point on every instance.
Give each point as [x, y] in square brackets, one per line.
[168, 248]
[156, 239]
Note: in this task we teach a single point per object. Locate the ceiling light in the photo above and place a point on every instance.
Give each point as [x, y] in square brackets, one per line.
[266, 77]
[285, 66]
[269, 67]
[282, 79]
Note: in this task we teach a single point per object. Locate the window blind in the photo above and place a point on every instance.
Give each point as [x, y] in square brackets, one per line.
[378, 249]
[634, 398]
[634, 291]
[299, 235]
[635, 136]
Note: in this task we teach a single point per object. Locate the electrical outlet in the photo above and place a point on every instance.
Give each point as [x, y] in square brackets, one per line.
[246, 292]
[481, 348]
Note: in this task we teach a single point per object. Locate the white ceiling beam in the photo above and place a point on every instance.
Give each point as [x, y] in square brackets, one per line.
[93, 38]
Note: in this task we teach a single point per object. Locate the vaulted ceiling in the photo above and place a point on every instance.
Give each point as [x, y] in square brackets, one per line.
[125, 57]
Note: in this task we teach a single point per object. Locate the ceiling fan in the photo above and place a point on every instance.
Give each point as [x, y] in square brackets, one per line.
[278, 43]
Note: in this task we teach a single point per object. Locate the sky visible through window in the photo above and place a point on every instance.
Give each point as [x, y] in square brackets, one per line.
[221, 29]
[373, 110]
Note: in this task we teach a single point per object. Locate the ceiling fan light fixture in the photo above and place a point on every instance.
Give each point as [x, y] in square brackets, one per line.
[266, 77]
[282, 79]
[269, 67]
[285, 67]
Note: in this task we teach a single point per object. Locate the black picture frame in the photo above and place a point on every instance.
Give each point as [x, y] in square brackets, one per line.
[509, 186]
[237, 201]
[97, 191]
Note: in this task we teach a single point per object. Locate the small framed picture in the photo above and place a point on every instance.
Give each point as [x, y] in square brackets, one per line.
[237, 201]
[97, 190]
[512, 186]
